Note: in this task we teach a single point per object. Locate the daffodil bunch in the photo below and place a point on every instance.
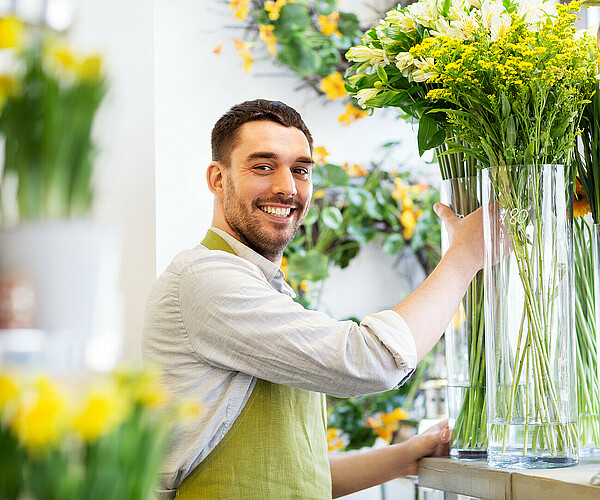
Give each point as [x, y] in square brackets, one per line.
[49, 96]
[309, 37]
[104, 443]
[353, 205]
[516, 86]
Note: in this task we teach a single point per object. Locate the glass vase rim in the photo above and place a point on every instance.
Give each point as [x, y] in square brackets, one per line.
[524, 165]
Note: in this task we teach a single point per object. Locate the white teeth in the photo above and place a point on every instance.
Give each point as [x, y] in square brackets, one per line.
[277, 212]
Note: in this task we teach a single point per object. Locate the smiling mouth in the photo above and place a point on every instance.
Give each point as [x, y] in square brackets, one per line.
[282, 212]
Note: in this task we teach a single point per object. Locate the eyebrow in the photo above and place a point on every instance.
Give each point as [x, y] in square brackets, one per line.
[269, 155]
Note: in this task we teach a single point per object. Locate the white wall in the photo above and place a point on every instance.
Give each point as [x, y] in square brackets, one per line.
[122, 30]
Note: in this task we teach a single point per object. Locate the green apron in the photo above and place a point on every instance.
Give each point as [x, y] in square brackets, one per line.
[276, 449]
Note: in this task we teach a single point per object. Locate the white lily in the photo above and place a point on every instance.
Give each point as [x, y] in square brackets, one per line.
[500, 25]
[464, 27]
[402, 20]
[425, 12]
[405, 62]
[425, 70]
[491, 9]
[364, 95]
[362, 53]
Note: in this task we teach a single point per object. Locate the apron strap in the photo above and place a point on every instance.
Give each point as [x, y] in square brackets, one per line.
[213, 241]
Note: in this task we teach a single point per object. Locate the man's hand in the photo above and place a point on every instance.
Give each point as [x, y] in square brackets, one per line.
[356, 471]
[433, 442]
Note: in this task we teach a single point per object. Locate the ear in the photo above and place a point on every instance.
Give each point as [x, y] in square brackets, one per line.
[214, 178]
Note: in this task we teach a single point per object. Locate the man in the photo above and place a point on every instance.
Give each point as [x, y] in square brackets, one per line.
[222, 325]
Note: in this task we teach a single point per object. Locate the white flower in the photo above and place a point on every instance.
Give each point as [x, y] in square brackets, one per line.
[475, 3]
[464, 27]
[402, 20]
[490, 10]
[500, 25]
[534, 11]
[425, 70]
[362, 53]
[425, 12]
[442, 28]
[364, 95]
[405, 63]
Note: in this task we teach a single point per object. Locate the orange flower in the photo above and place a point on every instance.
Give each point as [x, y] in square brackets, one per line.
[320, 155]
[354, 170]
[267, 36]
[352, 114]
[386, 424]
[217, 50]
[335, 440]
[244, 51]
[240, 8]
[581, 205]
[333, 86]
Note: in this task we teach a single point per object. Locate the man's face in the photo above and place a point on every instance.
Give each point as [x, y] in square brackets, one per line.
[267, 186]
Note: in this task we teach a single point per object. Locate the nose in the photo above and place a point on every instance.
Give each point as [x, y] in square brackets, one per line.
[284, 183]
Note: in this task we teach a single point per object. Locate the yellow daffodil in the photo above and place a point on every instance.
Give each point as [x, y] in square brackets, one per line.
[78, 66]
[333, 86]
[244, 50]
[240, 8]
[273, 8]
[335, 440]
[8, 389]
[11, 32]
[386, 424]
[320, 155]
[267, 36]
[40, 418]
[352, 114]
[283, 266]
[103, 410]
[329, 24]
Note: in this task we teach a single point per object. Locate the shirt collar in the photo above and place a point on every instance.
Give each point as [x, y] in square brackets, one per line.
[269, 269]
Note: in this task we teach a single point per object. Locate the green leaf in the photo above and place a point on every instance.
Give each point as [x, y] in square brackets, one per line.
[506, 107]
[511, 132]
[298, 55]
[325, 7]
[313, 266]
[356, 196]
[311, 216]
[293, 17]
[335, 176]
[382, 74]
[348, 24]
[393, 243]
[332, 217]
[430, 134]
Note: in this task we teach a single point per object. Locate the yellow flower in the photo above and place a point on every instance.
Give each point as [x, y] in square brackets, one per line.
[581, 205]
[189, 411]
[304, 285]
[401, 189]
[329, 24]
[355, 170]
[244, 51]
[143, 387]
[319, 194]
[86, 68]
[8, 389]
[320, 155]
[267, 36]
[352, 114]
[11, 32]
[273, 8]
[333, 86]
[40, 418]
[408, 221]
[217, 50]
[335, 440]
[240, 8]
[104, 409]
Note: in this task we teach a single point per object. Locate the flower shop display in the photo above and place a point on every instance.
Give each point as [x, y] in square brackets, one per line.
[587, 258]
[59, 443]
[518, 110]
[49, 98]
[386, 74]
[351, 206]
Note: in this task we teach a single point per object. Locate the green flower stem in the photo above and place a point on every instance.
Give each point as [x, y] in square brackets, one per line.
[586, 349]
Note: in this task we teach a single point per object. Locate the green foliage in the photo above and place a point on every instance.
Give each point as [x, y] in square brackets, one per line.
[349, 211]
[47, 126]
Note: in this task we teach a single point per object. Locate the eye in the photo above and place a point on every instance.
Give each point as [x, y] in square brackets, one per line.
[262, 168]
[302, 172]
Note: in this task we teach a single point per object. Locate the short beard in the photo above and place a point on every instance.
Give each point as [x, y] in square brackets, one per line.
[250, 231]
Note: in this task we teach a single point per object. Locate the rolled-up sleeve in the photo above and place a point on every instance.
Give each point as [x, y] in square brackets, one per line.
[236, 321]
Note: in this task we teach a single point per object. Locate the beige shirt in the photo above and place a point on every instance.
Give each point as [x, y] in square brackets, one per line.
[215, 322]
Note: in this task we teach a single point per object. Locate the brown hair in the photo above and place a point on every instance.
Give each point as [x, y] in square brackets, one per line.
[225, 131]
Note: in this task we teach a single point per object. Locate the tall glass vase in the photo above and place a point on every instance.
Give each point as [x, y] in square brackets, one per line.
[529, 306]
[588, 390]
[465, 346]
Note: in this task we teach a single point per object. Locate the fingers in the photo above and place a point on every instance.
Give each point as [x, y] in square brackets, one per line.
[444, 212]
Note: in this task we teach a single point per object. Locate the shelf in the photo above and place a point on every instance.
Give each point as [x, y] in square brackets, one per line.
[476, 479]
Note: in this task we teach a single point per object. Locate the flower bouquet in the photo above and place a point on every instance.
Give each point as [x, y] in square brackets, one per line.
[514, 90]
[105, 443]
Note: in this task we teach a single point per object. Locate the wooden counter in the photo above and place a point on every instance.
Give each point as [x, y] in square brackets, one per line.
[476, 479]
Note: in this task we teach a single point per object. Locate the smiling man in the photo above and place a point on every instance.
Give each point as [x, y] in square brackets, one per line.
[222, 324]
